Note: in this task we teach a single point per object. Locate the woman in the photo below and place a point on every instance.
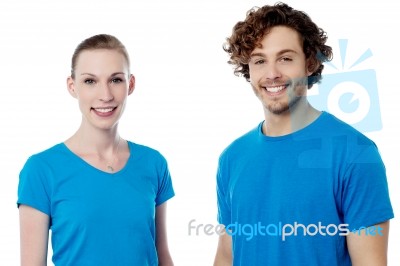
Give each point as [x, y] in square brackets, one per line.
[103, 197]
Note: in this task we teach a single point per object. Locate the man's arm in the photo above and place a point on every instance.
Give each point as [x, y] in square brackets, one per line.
[224, 251]
[368, 247]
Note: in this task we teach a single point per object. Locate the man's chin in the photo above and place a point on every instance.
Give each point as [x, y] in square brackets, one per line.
[278, 109]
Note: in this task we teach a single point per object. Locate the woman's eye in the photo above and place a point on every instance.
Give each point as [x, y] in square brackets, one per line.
[89, 81]
[259, 62]
[116, 80]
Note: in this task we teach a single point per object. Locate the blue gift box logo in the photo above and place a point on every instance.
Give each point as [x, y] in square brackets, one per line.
[352, 96]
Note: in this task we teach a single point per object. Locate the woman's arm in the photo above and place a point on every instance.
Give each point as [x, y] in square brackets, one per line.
[164, 257]
[34, 235]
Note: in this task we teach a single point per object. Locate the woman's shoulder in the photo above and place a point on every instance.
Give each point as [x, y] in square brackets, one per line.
[50, 151]
[45, 160]
[141, 150]
[53, 153]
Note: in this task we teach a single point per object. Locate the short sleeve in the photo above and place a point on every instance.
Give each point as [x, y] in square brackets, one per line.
[33, 188]
[366, 200]
[224, 210]
[165, 188]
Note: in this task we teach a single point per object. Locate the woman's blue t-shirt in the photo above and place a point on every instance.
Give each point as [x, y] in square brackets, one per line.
[98, 218]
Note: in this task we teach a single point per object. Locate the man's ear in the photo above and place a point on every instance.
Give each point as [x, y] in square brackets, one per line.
[131, 84]
[71, 87]
[312, 66]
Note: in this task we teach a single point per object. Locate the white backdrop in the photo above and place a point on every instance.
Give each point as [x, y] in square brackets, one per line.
[187, 103]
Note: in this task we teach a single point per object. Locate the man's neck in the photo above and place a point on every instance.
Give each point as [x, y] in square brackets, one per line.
[296, 118]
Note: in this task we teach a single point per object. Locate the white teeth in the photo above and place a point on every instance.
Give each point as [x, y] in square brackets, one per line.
[104, 110]
[275, 89]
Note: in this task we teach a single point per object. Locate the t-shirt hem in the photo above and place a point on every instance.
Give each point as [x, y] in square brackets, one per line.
[371, 222]
[164, 199]
[32, 205]
[223, 221]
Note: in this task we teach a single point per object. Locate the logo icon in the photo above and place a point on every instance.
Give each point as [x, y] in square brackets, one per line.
[351, 95]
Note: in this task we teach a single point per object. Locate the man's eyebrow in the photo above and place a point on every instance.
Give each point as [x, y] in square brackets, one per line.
[257, 54]
[287, 51]
[284, 51]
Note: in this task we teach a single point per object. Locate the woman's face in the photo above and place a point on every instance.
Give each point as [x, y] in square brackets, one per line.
[102, 83]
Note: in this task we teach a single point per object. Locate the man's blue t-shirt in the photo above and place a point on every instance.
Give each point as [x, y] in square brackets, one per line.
[98, 218]
[290, 200]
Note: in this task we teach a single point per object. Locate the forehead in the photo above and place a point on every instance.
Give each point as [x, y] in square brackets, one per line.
[280, 38]
[101, 58]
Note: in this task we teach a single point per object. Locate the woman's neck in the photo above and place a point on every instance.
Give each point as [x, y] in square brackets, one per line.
[94, 141]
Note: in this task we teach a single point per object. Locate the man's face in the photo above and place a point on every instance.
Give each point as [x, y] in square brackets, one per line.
[278, 70]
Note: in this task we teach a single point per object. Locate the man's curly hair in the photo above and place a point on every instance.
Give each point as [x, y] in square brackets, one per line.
[248, 34]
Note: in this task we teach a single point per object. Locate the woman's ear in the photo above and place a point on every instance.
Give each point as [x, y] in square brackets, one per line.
[131, 84]
[71, 87]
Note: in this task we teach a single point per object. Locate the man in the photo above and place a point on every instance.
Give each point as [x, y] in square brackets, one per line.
[302, 188]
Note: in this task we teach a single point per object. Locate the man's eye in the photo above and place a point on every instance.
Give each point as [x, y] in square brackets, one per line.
[286, 59]
[259, 62]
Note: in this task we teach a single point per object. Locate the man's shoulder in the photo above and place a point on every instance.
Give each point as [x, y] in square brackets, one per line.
[243, 141]
[337, 127]
[355, 145]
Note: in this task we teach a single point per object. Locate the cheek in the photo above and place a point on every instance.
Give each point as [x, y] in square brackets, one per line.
[120, 96]
[121, 92]
[83, 99]
[255, 75]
